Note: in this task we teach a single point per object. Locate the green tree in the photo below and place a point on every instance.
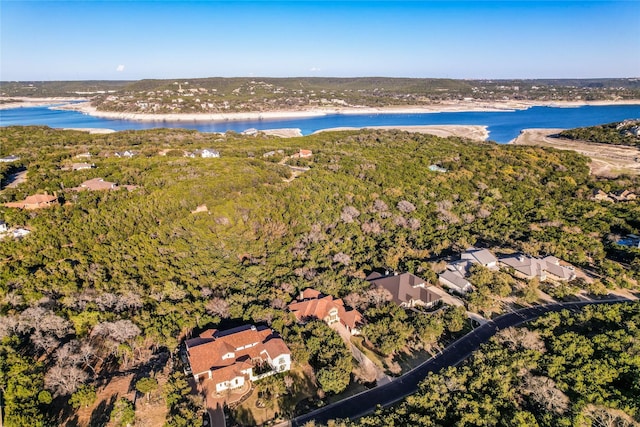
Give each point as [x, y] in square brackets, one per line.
[146, 386]
[83, 397]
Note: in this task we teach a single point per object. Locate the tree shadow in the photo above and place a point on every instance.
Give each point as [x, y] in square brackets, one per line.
[100, 415]
[243, 417]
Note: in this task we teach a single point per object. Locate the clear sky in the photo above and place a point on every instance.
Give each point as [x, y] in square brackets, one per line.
[130, 40]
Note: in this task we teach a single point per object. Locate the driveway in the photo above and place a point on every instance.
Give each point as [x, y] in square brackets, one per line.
[367, 364]
[392, 392]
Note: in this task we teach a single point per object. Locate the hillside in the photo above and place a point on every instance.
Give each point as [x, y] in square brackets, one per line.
[109, 283]
[619, 133]
[215, 95]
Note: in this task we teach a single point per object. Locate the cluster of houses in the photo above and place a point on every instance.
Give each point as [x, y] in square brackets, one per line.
[230, 359]
[523, 266]
[227, 360]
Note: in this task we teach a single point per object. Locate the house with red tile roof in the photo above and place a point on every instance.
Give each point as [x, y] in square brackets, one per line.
[233, 357]
[312, 304]
[37, 201]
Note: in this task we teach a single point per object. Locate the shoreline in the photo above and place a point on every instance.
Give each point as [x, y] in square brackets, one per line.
[460, 106]
[24, 102]
[607, 160]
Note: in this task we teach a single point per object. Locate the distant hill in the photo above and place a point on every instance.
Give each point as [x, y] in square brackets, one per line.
[619, 133]
[214, 95]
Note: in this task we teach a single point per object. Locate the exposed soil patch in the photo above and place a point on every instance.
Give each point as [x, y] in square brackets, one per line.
[606, 160]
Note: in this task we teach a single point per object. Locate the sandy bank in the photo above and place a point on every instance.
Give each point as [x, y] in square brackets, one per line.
[473, 132]
[92, 130]
[606, 159]
[23, 102]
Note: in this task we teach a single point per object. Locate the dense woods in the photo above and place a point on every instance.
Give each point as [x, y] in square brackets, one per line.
[113, 281]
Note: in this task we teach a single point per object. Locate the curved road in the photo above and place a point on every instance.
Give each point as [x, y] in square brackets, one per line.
[390, 393]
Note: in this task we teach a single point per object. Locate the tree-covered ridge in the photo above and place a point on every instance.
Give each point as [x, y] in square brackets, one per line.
[618, 133]
[109, 280]
[565, 369]
[219, 95]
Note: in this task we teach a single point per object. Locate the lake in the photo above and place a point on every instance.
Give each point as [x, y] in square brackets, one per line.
[503, 126]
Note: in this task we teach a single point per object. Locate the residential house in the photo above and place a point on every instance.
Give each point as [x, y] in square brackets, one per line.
[82, 166]
[482, 257]
[436, 168]
[407, 290]
[3, 226]
[86, 155]
[37, 201]
[206, 153]
[631, 240]
[233, 357]
[455, 281]
[623, 196]
[312, 304]
[547, 268]
[126, 153]
[96, 184]
[302, 154]
[9, 159]
[454, 277]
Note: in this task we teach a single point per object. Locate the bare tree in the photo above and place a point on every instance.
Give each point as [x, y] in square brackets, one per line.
[543, 391]
[342, 258]
[349, 214]
[64, 380]
[406, 206]
[218, 307]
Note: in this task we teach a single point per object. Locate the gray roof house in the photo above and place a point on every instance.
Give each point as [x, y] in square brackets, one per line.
[455, 281]
[546, 268]
[407, 290]
[484, 257]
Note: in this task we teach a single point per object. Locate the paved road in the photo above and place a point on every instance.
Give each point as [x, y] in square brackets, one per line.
[390, 393]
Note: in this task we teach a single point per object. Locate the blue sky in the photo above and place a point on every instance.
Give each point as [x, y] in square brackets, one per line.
[83, 40]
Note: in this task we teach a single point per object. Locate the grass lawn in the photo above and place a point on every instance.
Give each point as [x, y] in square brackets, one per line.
[250, 412]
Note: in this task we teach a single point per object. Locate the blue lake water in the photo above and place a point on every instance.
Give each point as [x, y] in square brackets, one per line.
[503, 126]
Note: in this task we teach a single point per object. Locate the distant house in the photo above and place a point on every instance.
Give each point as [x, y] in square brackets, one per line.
[9, 159]
[231, 358]
[547, 268]
[623, 196]
[311, 304]
[82, 166]
[302, 154]
[436, 168]
[86, 155]
[126, 153]
[96, 184]
[206, 153]
[406, 289]
[37, 201]
[15, 232]
[272, 153]
[3, 226]
[631, 240]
